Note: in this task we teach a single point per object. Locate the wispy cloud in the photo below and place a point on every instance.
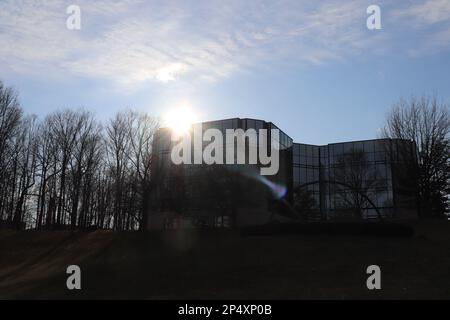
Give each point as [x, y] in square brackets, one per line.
[136, 41]
[425, 12]
[429, 20]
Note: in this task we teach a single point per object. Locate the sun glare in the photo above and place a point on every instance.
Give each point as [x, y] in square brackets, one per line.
[180, 120]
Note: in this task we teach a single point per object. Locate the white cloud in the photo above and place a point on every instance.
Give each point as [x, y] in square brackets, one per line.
[430, 21]
[170, 72]
[135, 41]
[426, 12]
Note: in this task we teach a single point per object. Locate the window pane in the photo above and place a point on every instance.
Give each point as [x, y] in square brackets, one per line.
[368, 146]
[303, 149]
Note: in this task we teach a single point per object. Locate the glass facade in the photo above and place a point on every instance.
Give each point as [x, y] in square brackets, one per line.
[212, 194]
[352, 180]
[340, 181]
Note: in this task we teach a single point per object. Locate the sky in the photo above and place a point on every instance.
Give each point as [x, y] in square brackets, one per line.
[311, 67]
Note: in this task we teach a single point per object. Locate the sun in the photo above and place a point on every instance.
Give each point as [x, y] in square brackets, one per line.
[180, 119]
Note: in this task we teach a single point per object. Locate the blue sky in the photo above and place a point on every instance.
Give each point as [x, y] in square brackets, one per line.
[311, 67]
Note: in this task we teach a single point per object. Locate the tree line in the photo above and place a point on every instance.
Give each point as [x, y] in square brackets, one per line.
[68, 170]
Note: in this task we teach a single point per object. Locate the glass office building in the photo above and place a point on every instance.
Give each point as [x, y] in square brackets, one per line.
[340, 181]
[355, 180]
[219, 194]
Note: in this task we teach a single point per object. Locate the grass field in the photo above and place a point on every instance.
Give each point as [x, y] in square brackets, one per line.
[219, 264]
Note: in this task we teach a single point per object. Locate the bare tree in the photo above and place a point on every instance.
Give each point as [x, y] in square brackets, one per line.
[356, 181]
[426, 122]
[92, 160]
[10, 117]
[65, 126]
[118, 148]
[305, 204]
[84, 151]
[46, 161]
[25, 162]
[141, 130]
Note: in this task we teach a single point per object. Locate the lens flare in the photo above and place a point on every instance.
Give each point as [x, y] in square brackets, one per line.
[278, 190]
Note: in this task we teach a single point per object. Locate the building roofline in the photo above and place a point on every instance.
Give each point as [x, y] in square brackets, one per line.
[342, 142]
[308, 144]
[235, 118]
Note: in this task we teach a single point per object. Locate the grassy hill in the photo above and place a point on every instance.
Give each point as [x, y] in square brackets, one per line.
[217, 264]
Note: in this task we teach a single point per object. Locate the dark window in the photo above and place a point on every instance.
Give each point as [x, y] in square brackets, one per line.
[302, 160]
[259, 125]
[296, 173]
[228, 124]
[337, 149]
[380, 146]
[348, 147]
[380, 156]
[250, 124]
[302, 150]
[315, 152]
[368, 146]
[302, 175]
[309, 151]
